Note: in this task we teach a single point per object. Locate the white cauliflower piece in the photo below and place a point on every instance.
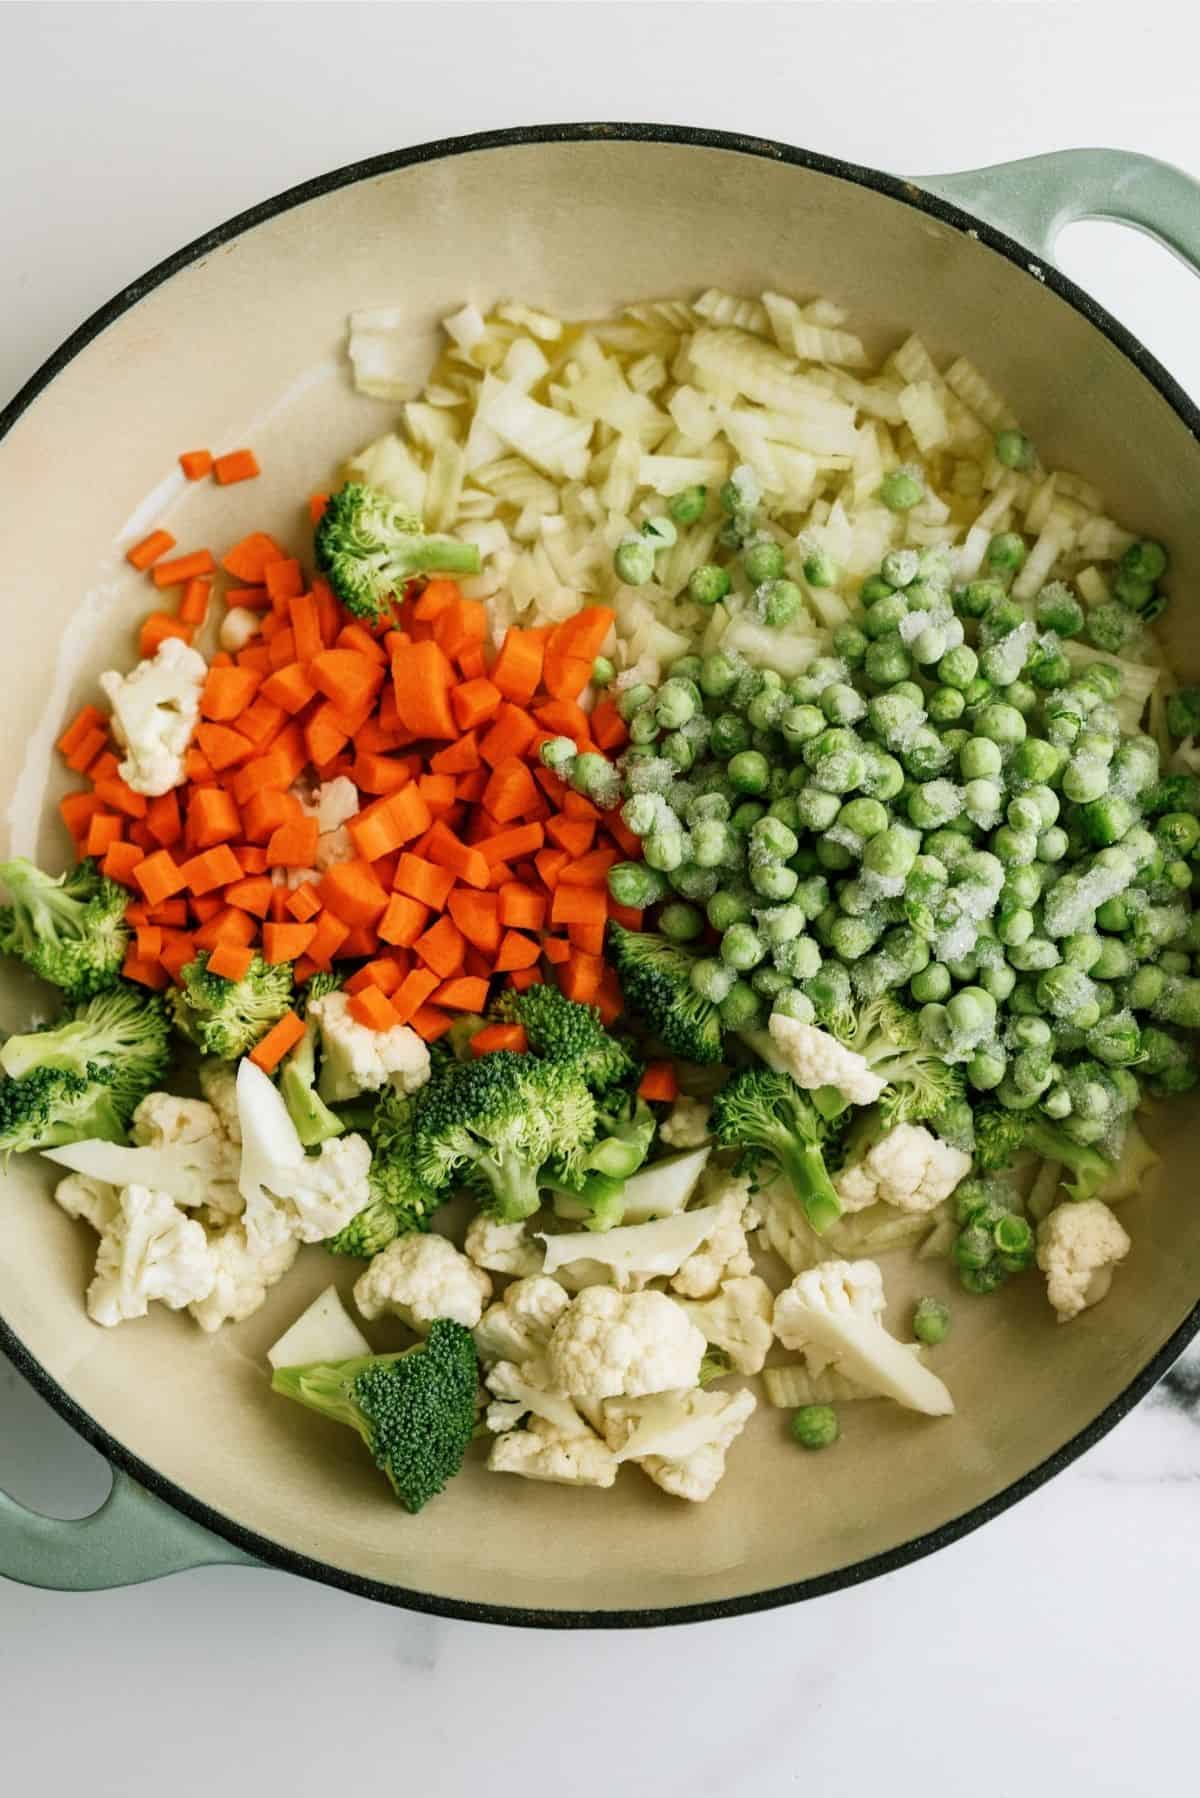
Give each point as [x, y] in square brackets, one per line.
[154, 712]
[738, 1319]
[678, 1439]
[149, 1251]
[1079, 1245]
[815, 1058]
[334, 846]
[191, 1131]
[832, 1313]
[725, 1253]
[504, 1248]
[529, 1389]
[635, 1253]
[238, 628]
[542, 1452]
[95, 1201]
[908, 1167]
[243, 1278]
[337, 803]
[287, 1192]
[686, 1124]
[357, 1060]
[419, 1279]
[218, 1083]
[611, 1344]
[519, 1325]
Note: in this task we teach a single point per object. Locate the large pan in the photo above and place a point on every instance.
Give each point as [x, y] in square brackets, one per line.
[237, 339]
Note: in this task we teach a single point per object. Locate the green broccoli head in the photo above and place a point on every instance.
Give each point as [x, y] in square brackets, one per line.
[414, 1410]
[1169, 1062]
[51, 1106]
[394, 1177]
[1183, 712]
[227, 1017]
[369, 545]
[71, 930]
[656, 981]
[367, 1233]
[764, 1113]
[494, 1122]
[1002, 1135]
[832, 998]
[125, 1032]
[561, 1030]
[920, 1084]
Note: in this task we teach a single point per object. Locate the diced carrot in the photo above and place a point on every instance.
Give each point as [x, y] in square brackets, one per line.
[212, 818]
[293, 845]
[214, 868]
[329, 612]
[508, 845]
[437, 594]
[248, 599]
[82, 725]
[264, 812]
[556, 949]
[252, 858]
[156, 628]
[148, 938]
[516, 951]
[196, 464]
[252, 894]
[224, 747]
[588, 936]
[284, 581]
[550, 864]
[446, 850]
[563, 718]
[145, 973]
[248, 560]
[457, 758]
[361, 941]
[624, 914]
[565, 677]
[143, 554]
[510, 792]
[86, 751]
[403, 921]
[608, 728]
[349, 679]
[500, 1036]
[582, 634]
[578, 905]
[230, 960]
[113, 792]
[659, 1082]
[325, 734]
[423, 880]
[226, 692]
[182, 569]
[412, 993]
[475, 702]
[477, 915]
[351, 892]
[302, 904]
[121, 860]
[470, 787]
[270, 1051]
[357, 637]
[374, 773]
[193, 607]
[430, 1023]
[389, 823]
[511, 734]
[288, 688]
[229, 925]
[520, 908]
[518, 668]
[422, 679]
[579, 977]
[472, 662]
[331, 936]
[282, 643]
[137, 833]
[437, 790]
[571, 834]
[499, 875]
[622, 836]
[462, 994]
[372, 1009]
[286, 942]
[608, 1000]
[104, 829]
[441, 948]
[207, 906]
[476, 964]
[590, 870]
[383, 973]
[317, 503]
[236, 465]
[277, 910]
[521, 979]
[158, 876]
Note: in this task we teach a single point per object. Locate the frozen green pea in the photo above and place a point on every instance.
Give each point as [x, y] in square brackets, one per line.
[899, 567]
[1014, 450]
[900, 490]
[742, 948]
[730, 906]
[763, 561]
[958, 667]
[933, 804]
[1014, 847]
[687, 506]
[842, 704]
[982, 799]
[773, 880]
[890, 854]
[851, 937]
[820, 569]
[1006, 552]
[714, 843]
[680, 923]
[1014, 924]
[640, 813]
[931, 983]
[977, 597]
[633, 560]
[795, 1004]
[708, 584]
[603, 672]
[664, 849]
[873, 589]
[864, 816]
[885, 617]
[718, 676]
[1145, 560]
[691, 881]
[1001, 724]
[781, 923]
[882, 776]
[998, 981]
[814, 1427]
[782, 603]
[741, 1008]
[1082, 949]
[980, 759]
[769, 982]
[1034, 955]
[986, 1068]
[1084, 778]
[850, 644]
[749, 772]
[675, 704]
[730, 735]
[629, 703]
[772, 840]
[636, 885]
[799, 724]
[946, 704]
[712, 979]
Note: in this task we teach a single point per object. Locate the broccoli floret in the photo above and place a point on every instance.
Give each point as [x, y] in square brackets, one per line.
[55, 1105]
[763, 1112]
[561, 1030]
[402, 1201]
[920, 1084]
[625, 1127]
[367, 1233]
[656, 980]
[1001, 1135]
[370, 545]
[315, 1122]
[70, 930]
[1183, 712]
[494, 1123]
[124, 1033]
[1174, 793]
[227, 1017]
[1168, 1062]
[414, 1410]
[831, 996]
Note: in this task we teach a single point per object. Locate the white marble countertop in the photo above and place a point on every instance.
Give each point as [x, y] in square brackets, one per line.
[1051, 1651]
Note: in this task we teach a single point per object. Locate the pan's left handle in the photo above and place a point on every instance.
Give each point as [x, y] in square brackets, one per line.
[132, 1537]
[1035, 199]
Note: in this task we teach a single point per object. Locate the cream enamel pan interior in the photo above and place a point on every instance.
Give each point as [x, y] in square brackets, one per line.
[240, 342]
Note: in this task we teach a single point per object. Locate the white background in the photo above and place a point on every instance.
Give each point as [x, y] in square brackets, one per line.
[1052, 1652]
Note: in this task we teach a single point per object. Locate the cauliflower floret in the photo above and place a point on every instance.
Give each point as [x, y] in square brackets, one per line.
[1079, 1244]
[334, 846]
[686, 1124]
[832, 1313]
[357, 1060]
[678, 1439]
[518, 1326]
[243, 1278]
[93, 1200]
[419, 1279]
[148, 1251]
[504, 1248]
[238, 628]
[610, 1344]
[738, 1319]
[218, 1083]
[724, 1255]
[815, 1058]
[337, 803]
[287, 1192]
[529, 1389]
[154, 712]
[194, 1128]
[909, 1167]
[543, 1452]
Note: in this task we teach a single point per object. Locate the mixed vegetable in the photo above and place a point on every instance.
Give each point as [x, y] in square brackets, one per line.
[717, 808]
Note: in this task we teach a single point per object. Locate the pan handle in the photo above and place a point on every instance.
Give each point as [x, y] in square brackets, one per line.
[132, 1537]
[1034, 199]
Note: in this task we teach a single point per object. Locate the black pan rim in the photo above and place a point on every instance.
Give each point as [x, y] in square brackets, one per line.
[261, 1548]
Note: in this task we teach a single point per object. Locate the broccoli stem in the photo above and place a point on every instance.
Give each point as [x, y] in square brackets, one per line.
[804, 1167]
[513, 1183]
[437, 555]
[1091, 1169]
